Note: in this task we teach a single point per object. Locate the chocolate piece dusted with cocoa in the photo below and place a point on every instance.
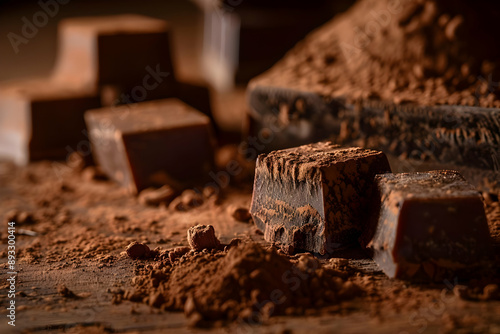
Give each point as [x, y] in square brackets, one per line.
[462, 135]
[92, 49]
[313, 197]
[429, 225]
[152, 143]
[43, 120]
[202, 237]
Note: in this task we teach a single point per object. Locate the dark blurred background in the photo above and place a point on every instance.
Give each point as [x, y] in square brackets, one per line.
[221, 43]
[266, 29]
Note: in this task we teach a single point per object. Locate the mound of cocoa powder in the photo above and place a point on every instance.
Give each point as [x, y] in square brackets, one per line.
[246, 283]
[426, 52]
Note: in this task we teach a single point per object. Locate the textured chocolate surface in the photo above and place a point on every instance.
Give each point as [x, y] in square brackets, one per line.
[42, 119]
[314, 197]
[466, 136]
[431, 225]
[152, 143]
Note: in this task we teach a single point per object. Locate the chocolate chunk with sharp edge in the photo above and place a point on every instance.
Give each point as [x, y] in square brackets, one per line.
[121, 49]
[427, 225]
[314, 197]
[43, 119]
[152, 144]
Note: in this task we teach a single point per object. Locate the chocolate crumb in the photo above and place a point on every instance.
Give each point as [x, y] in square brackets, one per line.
[240, 214]
[202, 237]
[65, 292]
[155, 197]
[137, 250]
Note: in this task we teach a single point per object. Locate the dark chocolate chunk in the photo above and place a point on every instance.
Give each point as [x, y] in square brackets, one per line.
[42, 120]
[152, 143]
[427, 225]
[314, 197]
[202, 237]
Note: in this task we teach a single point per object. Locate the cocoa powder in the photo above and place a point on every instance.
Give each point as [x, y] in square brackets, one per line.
[426, 52]
[247, 283]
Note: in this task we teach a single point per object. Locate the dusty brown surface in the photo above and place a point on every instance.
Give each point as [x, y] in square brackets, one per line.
[425, 52]
[73, 272]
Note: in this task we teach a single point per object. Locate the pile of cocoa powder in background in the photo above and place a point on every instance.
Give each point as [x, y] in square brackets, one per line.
[425, 52]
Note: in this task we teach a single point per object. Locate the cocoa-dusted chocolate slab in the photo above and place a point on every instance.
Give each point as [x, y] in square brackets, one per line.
[314, 197]
[427, 225]
[463, 135]
[42, 119]
[152, 144]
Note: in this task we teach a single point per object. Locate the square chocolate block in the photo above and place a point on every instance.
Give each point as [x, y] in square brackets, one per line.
[121, 49]
[41, 119]
[428, 225]
[152, 144]
[314, 197]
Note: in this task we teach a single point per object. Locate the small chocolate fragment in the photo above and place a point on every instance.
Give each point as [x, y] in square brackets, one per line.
[314, 197]
[202, 237]
[65, 292]
[155, 197]
[177, 253]
[43, 120]
[240, 214]
[151, 144]
[137, 250]
[427, 225]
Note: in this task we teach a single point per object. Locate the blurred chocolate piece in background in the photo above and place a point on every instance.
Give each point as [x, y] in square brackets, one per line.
[131, 50]
[42, 119]
[243, 38]
[151, 144]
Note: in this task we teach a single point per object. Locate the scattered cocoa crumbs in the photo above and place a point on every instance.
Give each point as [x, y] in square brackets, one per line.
[177, 253]
[94, 223]
[187, 200]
